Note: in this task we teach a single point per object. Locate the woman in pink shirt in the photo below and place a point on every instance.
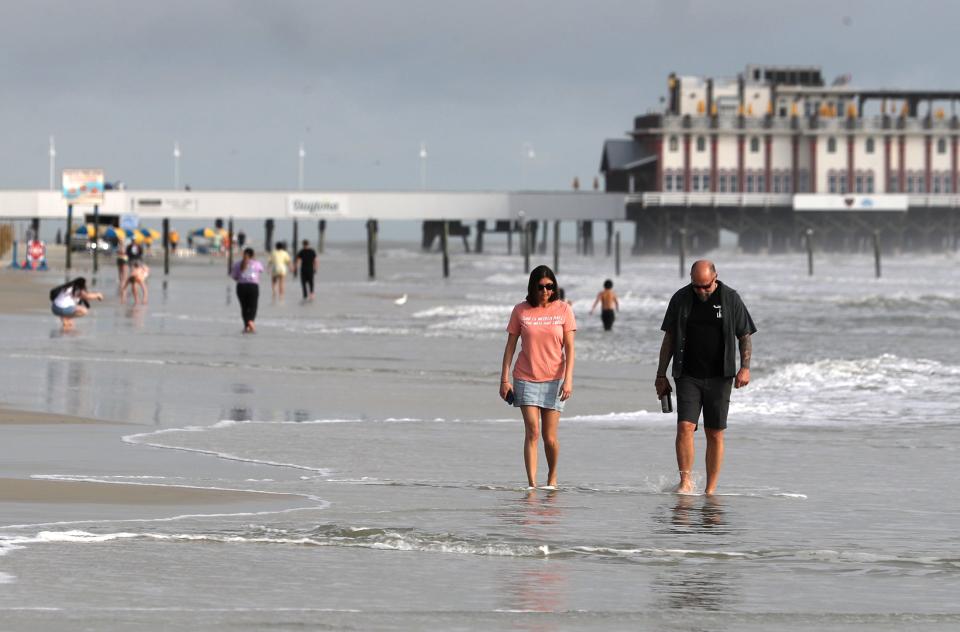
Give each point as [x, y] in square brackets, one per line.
[543, 374]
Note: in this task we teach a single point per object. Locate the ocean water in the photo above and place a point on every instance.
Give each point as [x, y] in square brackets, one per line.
[836, 510]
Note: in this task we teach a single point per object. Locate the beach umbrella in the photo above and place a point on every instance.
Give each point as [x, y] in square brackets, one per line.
[141, 235]
[113, 232]
[84, 231]
[208, 233]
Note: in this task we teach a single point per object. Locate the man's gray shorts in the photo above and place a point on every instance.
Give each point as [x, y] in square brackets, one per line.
[712, 395]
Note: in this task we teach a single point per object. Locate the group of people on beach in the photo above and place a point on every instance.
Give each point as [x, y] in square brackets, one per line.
[703, 323]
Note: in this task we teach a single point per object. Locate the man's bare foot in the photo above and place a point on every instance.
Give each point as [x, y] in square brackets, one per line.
[686, 483]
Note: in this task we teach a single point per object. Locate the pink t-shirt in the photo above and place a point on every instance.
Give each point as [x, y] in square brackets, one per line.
[541, 332]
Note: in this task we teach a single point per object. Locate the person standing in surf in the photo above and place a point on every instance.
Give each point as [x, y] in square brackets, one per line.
[543, 374]
[699, 328]
[246, 273]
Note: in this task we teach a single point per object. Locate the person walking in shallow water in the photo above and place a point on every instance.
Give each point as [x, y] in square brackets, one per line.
[246, 273]
[543, 374]
[609, 305]
[700, 326]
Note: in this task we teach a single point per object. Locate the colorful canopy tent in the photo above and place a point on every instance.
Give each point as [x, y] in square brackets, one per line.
[84, 231]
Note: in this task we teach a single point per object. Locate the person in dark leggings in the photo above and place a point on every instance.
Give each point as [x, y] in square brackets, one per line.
[306, 263]
[246, 273]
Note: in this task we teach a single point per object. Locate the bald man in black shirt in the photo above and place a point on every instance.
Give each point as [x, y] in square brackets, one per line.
[702, 322]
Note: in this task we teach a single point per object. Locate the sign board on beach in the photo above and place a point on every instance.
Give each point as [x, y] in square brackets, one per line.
[851, 202]
[318, 206]
[159, 205]
[83, 186]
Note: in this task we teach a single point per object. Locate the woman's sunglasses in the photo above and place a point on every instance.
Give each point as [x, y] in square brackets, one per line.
[547, 286]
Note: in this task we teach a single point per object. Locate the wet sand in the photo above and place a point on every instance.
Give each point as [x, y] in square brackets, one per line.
[15, 416]
[83, 492]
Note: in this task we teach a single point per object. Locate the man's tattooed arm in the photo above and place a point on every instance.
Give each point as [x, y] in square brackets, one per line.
[746, 351]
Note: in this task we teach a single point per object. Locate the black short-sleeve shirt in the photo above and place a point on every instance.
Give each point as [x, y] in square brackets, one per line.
[704, 357]
[307, 256]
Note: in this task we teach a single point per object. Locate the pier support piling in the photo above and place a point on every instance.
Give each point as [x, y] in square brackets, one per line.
[294, 246]
[556, 245]
[166, 246]
[617, 254]
[445, 247]
[876, 253]
[809, 242]
[96, 241]
[321, 235]
[69, 239]
[230, 249]
[268, 235]
[682, 242]
[371, 248]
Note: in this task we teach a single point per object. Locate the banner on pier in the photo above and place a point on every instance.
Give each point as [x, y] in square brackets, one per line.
[318, 206]
[83, 186]
[850, 202]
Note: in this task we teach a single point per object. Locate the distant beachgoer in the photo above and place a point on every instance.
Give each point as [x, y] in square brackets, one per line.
[174, 239]
[139, 271]
[279, 266]
[121, 265]
[246, 273]
[241, 239]
[306, 263]
[562, 294]
[543, 374]
[134, 252]
[609, 305]
[71, 300]
[699, 328]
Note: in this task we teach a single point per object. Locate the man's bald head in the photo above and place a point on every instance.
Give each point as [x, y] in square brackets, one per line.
[703, 275]
[703, 266]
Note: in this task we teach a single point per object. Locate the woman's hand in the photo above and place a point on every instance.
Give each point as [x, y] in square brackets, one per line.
[566, 390]
[505, 387]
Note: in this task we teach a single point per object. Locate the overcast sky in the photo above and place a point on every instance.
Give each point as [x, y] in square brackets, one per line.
[361, 83]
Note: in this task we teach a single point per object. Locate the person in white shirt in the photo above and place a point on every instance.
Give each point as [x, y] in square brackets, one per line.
[71, 300]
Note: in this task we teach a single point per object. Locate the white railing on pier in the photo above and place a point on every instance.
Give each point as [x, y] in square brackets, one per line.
[700, 199]
[712, 199]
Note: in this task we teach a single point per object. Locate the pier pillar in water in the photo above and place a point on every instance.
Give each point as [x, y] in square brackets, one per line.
[682, 242]
[294, 246]
[444, 246]
[268, 235]
[371, 248]
[481, 227]
[69, 233]
[96, 241]
[617, 256]
[166, 246]
[609, 236]
[230, 249]
[556, 245]
[321, 236]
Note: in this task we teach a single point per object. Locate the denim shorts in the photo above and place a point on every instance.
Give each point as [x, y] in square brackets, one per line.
[63, 311]
[540, 394]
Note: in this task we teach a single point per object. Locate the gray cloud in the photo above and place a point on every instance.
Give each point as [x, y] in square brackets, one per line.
[240, 84]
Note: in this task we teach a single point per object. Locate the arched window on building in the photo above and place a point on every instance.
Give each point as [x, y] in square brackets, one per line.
[941, 145]
[777, 182]
[859, 183]
[668, 181]
[803, 186]
[831, 145]
[734, 182]
[722, 182]
[695, 181]
[869, 145]
[674, 143]
[678, 181]
[869, 178]
[787, 182]
[749, 187]
[935, 182]
[706, 181]
[701, 144]
[754, 145]
[893, 179]
[832, 181]
[947, 182]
